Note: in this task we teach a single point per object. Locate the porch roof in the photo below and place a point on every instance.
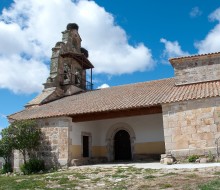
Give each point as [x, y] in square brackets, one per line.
[125, 97]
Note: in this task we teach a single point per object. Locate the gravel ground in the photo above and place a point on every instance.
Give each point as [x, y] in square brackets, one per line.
[156, 165]
[121, 176]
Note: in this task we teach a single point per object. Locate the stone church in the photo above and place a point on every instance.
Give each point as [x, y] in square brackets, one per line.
[179, 116]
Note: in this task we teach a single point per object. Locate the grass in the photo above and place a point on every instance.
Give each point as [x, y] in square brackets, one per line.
[21, 182]
[212, 185]
[193, 175]
[170, 174]
[119, 188]
[63, 180]
[217, 173]
[150, 171]
[165, 186]
[80, 176]
[117, 178]
[149, 177]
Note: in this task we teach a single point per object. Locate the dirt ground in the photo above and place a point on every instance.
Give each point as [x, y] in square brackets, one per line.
[117, 177]
[128, 177]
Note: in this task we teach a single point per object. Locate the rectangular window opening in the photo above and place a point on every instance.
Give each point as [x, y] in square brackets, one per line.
[85, 146]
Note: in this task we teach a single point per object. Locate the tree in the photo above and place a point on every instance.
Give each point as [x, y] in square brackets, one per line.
[6, 146]
[25, 136]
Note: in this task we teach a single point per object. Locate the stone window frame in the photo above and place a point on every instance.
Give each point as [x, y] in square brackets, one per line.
[90, 143]
[110, 138]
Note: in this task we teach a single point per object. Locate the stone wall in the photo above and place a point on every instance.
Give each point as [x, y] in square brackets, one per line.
[192, 127]
[196, 69]
[55, 142]
[1, 162]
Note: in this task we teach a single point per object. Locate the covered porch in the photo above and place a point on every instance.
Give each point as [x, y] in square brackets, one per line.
[123, 135]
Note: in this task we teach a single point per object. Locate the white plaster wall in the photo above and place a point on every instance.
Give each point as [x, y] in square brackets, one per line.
[147, 128]
[89, 127]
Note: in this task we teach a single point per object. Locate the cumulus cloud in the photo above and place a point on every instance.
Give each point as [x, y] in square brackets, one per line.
[215, 15]
[195, 12]
[103, 86]
[30, 28]
[21, 75]
[172, 49]
[211, 41]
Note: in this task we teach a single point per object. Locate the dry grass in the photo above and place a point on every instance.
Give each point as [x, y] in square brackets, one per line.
[117, 178]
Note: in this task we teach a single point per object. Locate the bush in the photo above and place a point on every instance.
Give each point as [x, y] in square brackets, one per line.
[32, 166]
[6, 168]
[193, 158]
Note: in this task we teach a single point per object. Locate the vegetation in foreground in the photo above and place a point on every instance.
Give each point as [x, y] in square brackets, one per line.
[23, 136]
[116, 178]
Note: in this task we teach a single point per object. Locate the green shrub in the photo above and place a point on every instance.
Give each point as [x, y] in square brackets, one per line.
[6, 168]
[32, 166]
[193, 158]
[211, 157]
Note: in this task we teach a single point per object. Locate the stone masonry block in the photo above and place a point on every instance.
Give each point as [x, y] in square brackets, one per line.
[180, 153]
[188, 130]
[168, 139]
[173, 124]
[196, 151]
[168, 132]
[203, 129]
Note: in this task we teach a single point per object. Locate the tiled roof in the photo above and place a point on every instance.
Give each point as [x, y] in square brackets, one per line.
[139, 95]
[195, 56]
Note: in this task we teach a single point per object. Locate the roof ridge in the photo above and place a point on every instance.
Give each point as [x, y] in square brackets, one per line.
[194, 55]
[131, 84]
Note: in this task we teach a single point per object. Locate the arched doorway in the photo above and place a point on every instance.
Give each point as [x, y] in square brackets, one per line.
[122, 145]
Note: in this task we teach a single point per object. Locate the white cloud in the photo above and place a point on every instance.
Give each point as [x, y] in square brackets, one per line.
[3, 116]
[103, 86]
[30, 28]
[21, 75]
[172, 49]
[195, 12]
[212, 39]
[215, 15]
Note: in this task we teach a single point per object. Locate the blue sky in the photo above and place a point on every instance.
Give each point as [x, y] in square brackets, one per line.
[128, 41]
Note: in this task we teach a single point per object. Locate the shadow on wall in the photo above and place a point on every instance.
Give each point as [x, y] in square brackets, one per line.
[49, 153]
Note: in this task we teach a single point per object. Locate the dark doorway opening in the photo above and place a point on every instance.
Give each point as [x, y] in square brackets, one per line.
[122, 146]
[85, 146]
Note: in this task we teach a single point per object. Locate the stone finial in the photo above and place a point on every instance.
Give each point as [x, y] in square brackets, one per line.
[72, 26]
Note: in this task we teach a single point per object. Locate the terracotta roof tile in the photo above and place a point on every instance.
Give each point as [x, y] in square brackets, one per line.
[137, 95]
[195, 56]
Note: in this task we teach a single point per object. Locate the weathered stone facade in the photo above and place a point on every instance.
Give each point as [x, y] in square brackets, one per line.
[191, 127]
[55, 141]
[196, 69]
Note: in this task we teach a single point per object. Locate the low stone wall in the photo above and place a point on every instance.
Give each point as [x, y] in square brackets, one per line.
[192, 127]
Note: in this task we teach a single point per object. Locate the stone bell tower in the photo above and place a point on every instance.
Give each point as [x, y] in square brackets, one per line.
[69, 62]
